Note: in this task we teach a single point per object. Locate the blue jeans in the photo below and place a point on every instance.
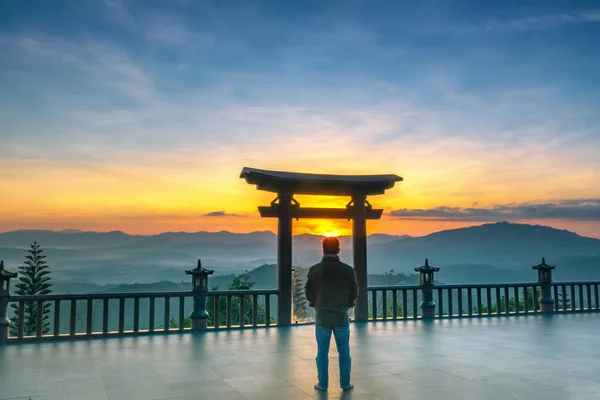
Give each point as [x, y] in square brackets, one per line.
[342, 342]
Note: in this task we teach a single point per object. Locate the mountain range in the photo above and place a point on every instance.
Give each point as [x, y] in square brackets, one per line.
[486, 253]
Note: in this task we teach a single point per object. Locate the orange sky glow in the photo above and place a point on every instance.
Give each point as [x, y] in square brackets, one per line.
[143, 197]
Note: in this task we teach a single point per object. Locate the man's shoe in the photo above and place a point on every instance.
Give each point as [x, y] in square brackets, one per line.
[345, 389]
[321, 388]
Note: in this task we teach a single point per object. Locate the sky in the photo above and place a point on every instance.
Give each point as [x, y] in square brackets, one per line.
[139, 115]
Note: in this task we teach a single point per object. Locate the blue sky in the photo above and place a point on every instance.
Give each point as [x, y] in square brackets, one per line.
[454, 96]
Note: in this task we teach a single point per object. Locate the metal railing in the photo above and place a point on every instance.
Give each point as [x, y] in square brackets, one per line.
[72, 316]
[570, 296]
[476, 300]
[69, 316]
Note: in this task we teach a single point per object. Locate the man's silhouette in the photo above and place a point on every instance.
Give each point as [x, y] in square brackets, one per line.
[331, 289]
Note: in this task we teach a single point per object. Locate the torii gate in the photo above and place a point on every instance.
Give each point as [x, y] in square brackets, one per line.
[286, 208]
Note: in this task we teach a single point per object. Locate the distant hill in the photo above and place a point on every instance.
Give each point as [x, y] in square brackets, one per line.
[501, 245]
[263, 277]
[486, 253]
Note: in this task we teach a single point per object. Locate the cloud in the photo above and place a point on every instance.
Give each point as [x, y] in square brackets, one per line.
[221, 214]
[576, 209]
[105, 63]
[169, 29]
[546, 21]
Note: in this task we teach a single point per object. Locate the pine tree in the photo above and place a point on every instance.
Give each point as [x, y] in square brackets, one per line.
[240, 282]
[34, 279]
[563, 302]
[299, 299]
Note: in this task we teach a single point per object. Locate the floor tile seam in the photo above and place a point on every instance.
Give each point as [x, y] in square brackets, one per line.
[503, 388]
[309, 395]
[420, 384]
[137, 378]
[578, 377]
[146, 374]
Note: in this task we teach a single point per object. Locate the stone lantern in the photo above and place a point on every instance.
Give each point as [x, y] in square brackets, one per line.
[545, 280]
[5, 277]
[199, 315]
[426, 281]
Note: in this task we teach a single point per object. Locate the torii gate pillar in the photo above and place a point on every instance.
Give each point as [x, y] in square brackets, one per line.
[359, 250]
[284, 260]
[285, 208]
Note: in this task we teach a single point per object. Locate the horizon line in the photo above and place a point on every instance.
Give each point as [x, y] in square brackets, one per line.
[74, 231]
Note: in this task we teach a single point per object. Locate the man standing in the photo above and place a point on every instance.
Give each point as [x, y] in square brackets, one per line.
[331, 289]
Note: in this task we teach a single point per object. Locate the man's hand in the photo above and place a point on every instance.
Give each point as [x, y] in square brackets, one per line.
[353, 291]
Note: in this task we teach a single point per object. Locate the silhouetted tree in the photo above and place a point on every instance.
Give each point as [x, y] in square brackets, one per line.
[564, 302]
[299, 299]
[34, 279]
[512, 307]
[240, 282]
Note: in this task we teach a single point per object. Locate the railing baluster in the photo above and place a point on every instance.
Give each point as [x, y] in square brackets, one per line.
[404, 304]
[564, 297]
[415, 309]
[517, 302]
[39, 326]
[181, 313]
[441, 302]
[525, 299]
[596, 296]
[21, 326]
[488, 293]
[506, 300]
[56, 318]
[151, 315]
[228, 315]
[479, 301]
[217, 312]
[268, 310]
[105, 316]
[384, 305]
[581, 302]
[470, 301]
[242, 311]
[573, 301]
[589, 297]
[450, 305]
[89, 321]
[394, 304]
[73, 318]
[498, 297]
[374, 304]
[121, 315]
[136, 314]
[556, 305]
[167, 314]
[254, 310]
[460, 302]
[536, 303]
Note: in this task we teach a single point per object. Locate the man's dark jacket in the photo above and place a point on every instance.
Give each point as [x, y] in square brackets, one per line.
[331, 289]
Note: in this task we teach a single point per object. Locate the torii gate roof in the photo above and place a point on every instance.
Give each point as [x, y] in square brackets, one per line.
[318, 184]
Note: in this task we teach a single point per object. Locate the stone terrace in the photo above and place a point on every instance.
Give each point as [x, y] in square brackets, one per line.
[525, 357]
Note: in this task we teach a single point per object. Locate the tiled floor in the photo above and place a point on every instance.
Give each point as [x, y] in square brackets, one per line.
[535, 357]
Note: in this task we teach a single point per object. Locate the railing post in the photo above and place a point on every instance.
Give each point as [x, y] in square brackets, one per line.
[4, 296]
[545, 280]
[199, 316]
[426, 282]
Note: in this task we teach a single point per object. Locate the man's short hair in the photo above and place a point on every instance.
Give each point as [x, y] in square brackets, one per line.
[331, 245]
